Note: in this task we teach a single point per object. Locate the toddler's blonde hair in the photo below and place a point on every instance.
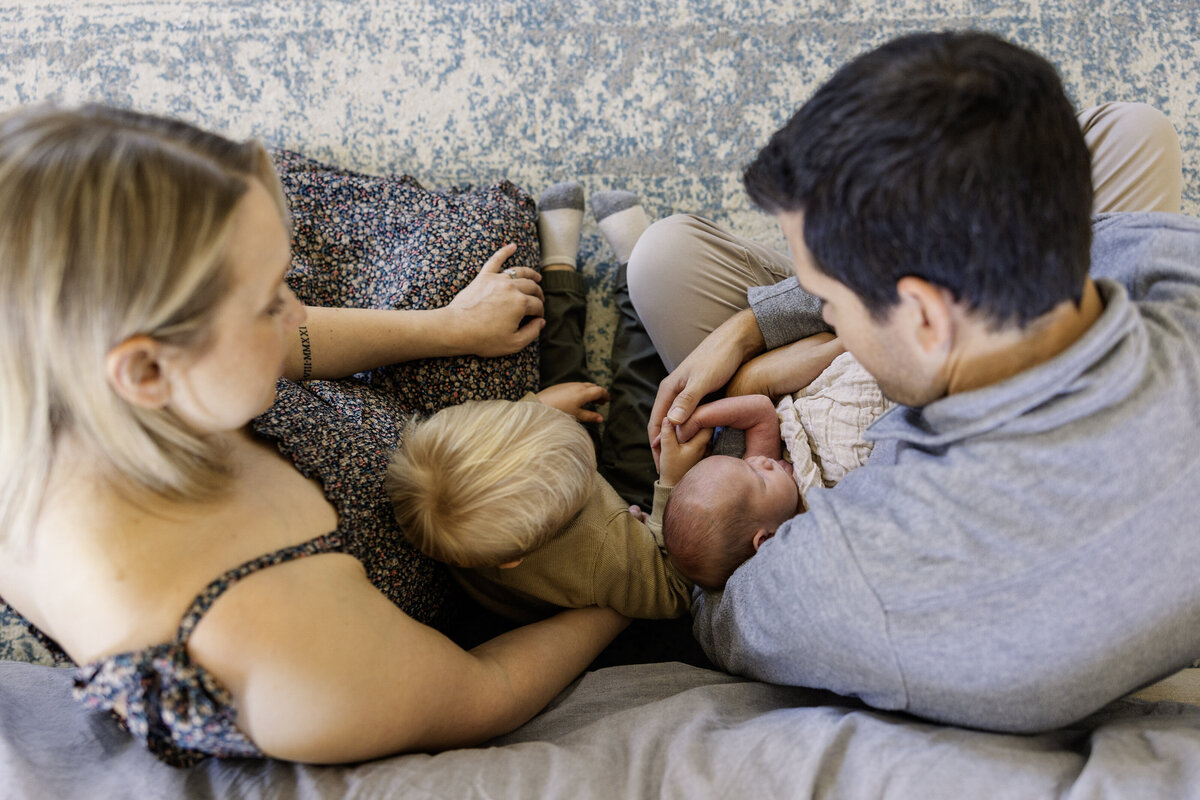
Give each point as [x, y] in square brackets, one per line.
[484, 483]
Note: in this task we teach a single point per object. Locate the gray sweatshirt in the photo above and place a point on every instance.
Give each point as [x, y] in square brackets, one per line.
[1013, 557]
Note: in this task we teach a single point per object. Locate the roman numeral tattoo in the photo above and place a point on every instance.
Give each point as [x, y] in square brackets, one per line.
[306, 352]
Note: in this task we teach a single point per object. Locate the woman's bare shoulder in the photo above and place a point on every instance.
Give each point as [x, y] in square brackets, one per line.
[316, 628]
[104, 573]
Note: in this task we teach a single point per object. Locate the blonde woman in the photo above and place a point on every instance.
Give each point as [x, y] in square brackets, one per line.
[205, 583]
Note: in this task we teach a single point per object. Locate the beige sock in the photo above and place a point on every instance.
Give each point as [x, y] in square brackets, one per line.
[622, 220]
[560, 216]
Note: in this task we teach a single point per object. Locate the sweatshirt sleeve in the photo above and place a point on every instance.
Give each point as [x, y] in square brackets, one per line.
[785, 313]
[799, 613]
[661, 495]
[1154, 256]
[633, 576]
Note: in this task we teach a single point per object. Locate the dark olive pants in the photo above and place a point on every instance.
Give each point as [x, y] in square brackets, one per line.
[622, 451]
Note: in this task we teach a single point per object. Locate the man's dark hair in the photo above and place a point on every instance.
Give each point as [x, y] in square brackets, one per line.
[953, 157]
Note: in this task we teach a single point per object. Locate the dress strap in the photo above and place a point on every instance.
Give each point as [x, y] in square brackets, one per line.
[327, 543]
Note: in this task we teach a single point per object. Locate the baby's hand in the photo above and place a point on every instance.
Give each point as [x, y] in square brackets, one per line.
[678, 457]
[572, 397]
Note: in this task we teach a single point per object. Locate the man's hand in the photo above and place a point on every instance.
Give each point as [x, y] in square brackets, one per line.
[487, 315]
[573, 396]
[706, 369]
[786, 369]
[674, 457]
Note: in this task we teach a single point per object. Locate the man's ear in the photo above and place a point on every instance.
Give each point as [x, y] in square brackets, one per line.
[930, 311]
[761, 536]
[135, 372]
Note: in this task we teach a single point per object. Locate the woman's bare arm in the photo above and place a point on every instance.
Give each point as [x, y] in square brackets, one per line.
[325, 669]
[494, 315]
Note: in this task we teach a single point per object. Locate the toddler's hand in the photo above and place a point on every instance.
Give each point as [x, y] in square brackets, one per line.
[677, 457]
[572, 397]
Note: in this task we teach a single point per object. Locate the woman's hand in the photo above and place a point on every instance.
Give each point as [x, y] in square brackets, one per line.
[571, 397]
[500, 311]
[493, 316]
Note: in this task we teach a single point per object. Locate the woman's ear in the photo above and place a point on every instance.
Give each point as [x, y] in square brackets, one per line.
[931, 312]
[136, 373]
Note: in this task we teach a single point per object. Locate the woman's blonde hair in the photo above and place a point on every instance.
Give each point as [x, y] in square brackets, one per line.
[112, 224]
[483, 483]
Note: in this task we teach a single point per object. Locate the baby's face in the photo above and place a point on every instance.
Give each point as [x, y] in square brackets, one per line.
[766, 483]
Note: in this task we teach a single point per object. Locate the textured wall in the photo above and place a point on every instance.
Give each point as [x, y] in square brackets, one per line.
[665, 97]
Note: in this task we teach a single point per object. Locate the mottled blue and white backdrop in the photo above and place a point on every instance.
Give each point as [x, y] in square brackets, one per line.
[668, 98]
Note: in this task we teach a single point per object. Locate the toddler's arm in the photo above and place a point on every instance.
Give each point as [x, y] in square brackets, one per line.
[632, 575]
[677, 454]
[572, 397]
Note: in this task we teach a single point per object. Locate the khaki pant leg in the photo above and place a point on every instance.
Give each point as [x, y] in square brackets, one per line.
[687, 276]
[1137, 164]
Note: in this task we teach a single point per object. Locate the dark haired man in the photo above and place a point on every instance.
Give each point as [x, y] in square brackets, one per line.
[1020, 548]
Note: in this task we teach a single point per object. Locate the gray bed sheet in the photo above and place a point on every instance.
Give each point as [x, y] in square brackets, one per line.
[651, 730]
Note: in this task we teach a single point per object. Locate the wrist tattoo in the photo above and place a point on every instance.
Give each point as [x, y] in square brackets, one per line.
[306, 353]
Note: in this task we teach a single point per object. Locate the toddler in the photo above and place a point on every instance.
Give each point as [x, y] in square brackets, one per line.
[508, 493]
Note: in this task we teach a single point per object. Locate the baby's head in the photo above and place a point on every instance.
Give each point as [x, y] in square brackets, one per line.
[483, 483]
[722, 510]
